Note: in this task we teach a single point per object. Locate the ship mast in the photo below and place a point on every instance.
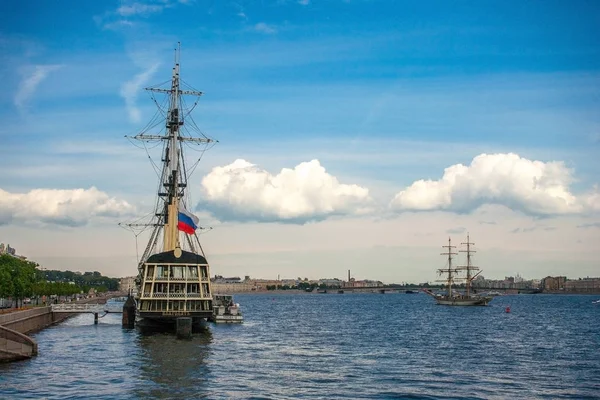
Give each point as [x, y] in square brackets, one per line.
[469, 267]
[171, 234]
[449, 270]
[173, 177]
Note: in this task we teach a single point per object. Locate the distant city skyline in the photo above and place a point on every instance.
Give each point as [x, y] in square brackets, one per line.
[352, 134]
[516, 278]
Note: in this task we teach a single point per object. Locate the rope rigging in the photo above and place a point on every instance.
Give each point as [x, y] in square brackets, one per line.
[157, 132]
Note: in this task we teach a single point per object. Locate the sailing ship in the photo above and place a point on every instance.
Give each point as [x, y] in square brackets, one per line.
[173, 278]
[452, 298]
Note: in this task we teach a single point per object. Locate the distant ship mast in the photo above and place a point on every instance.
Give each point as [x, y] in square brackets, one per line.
[469, 267]
[450, 271]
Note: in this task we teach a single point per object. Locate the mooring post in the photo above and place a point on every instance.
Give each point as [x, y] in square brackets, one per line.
[184, 327]
[95, 318]
[129, 312]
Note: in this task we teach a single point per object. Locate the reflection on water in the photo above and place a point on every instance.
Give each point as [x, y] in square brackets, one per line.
[170, 367]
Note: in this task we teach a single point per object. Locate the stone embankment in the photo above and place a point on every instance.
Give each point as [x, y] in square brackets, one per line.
[14, 343]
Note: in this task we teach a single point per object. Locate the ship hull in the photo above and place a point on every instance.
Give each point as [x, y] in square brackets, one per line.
[154, 323]
[227, 319]
[444, 301]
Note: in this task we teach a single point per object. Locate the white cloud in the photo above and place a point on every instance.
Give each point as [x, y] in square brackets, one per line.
[264, 28]
[74, 207]
[130, 89]
[136, 10]
[31, 81]
[532, 187]
[304, 2]
[147, 8]
[118, 24]
[243, 191]
[140, 9]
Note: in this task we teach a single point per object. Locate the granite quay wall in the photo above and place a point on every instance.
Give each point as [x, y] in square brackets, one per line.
[31, 320]
[37, 318]
[16, 346]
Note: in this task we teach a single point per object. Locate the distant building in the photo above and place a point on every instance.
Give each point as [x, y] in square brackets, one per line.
[553, 283]
[289, 282]
[261, 284]
[583, 285]
[232, 287]
[535, 283]
[364, 283]
[508, 282]
[228, 285]
[6, 249]
[335, 282]
[126, 284]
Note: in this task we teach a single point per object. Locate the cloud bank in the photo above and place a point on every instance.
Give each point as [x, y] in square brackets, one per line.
[243, 191]
[532, 187]
[74, 207]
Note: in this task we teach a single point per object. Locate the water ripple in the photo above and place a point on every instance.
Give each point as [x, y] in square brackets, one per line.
[351, 346]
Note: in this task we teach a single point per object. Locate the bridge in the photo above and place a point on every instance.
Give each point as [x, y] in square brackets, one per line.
[87, 308]
[510, 290]
[401, 288]
[377, 289]
[74, 308]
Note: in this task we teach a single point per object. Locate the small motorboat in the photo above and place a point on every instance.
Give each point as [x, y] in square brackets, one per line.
[225, 310]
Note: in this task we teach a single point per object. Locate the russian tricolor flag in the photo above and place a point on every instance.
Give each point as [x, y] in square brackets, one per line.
[187, 222]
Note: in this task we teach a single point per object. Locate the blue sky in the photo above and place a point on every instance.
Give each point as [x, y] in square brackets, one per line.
[382, 93]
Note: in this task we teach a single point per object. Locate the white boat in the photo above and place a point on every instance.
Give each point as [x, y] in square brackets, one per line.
[225, 310]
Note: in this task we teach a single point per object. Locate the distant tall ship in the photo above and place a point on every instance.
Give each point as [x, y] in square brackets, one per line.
[452, 298]
[173, 274]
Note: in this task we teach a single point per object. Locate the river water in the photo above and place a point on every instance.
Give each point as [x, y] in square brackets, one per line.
[329, 346]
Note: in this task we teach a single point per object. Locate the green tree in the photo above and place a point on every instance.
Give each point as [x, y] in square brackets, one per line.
[6, 284]
[20, 273]
[20, 279]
